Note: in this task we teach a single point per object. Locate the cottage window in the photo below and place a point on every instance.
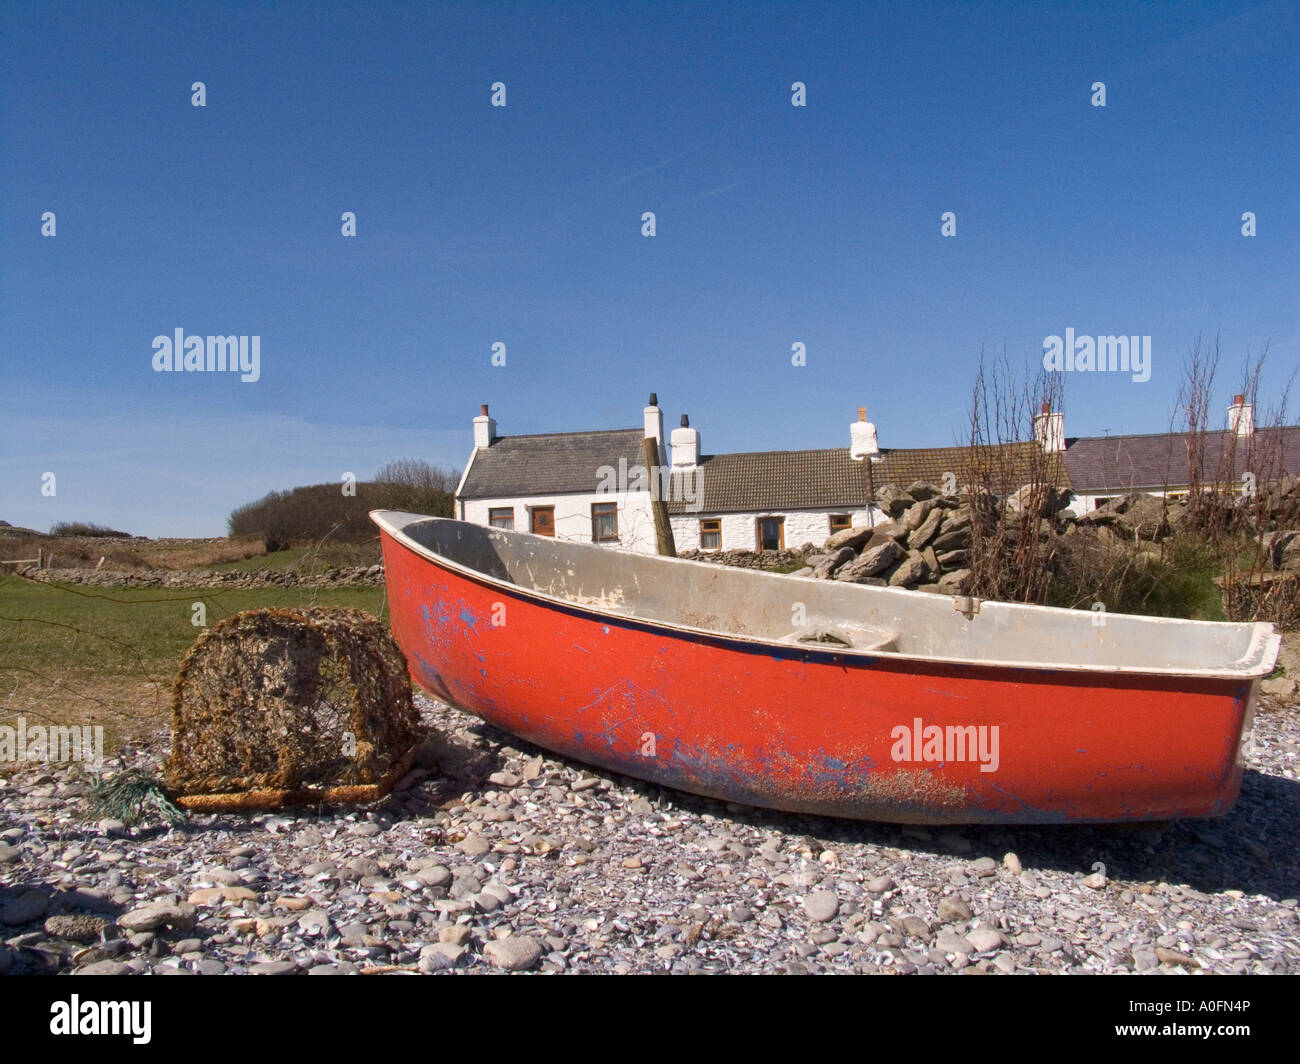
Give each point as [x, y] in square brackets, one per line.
[501, 517]
[604, 522]
[711, 534]
[839, 522]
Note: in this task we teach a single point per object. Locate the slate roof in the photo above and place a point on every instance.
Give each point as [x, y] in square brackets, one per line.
[556, 463]
[773, 480]
[1007, 465]
[830, 479]
[1113, 464]
[561, 463]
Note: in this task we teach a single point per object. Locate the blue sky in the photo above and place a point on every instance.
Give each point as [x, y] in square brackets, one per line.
[522, 224]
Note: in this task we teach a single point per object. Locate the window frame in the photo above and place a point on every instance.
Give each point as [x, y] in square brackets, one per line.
[612, 512]
[494, 515]
[716, 531]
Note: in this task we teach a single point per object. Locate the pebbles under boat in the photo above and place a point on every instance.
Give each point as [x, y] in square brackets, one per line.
[824, 697]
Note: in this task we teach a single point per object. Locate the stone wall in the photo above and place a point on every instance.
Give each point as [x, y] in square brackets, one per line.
[352, 576]
[924, 545]
[746, 559]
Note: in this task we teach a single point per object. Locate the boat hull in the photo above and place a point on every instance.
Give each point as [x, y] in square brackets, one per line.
[811, 730]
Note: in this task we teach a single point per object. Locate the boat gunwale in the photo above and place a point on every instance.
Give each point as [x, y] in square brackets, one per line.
[1262, 650]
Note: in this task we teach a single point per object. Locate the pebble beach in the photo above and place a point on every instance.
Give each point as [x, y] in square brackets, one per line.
[493, 856]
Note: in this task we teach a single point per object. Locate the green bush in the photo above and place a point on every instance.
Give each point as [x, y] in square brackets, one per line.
[85, 528]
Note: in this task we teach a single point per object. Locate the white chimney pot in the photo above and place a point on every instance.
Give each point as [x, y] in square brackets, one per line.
[685, 446]
[1049, 429]
[1241, 416]
[485, 428]
[862, 437]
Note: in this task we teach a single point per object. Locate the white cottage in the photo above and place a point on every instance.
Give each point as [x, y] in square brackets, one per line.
[768, 500]
[595, 487]
[1101, 468]
[563, 484]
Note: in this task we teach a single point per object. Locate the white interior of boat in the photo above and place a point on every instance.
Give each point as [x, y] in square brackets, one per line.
[831, 615]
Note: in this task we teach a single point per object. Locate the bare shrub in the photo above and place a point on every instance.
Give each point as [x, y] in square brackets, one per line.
[1240, 498]
[1012, 485]
[307, 515]
[418, 487]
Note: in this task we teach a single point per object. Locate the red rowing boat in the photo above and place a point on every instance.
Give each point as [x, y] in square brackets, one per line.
[824, 697]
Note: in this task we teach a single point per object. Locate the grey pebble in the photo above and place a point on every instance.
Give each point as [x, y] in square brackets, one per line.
[947, 942]
[273, 968]
[984, 939]
[113, 968]
[821, 906]
[28, 906]
[953, 910]
[514, 954]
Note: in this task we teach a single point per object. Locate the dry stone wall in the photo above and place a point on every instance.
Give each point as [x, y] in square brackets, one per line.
[351, 576]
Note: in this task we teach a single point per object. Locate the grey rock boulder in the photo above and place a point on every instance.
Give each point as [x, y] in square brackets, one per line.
[878, 555]
[909, 572]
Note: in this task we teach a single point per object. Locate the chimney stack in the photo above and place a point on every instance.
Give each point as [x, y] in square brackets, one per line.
[862, 438]
[485, 428]
[686, 446]
[1241, 416]
[1049, 429]
[654, 425]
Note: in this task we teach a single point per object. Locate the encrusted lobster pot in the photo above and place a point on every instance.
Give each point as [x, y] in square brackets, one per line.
[290, 707]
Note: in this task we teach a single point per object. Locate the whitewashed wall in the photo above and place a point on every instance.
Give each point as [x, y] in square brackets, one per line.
[740, 531]
[573, 516]
[1082, 504]
[636, 521]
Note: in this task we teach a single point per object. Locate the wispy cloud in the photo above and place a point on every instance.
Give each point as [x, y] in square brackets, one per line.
[654, 166]
[720, 191]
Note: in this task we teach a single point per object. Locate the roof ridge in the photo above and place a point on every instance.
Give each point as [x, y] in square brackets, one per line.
[1177, 435]
[553, 435]
[885, 452]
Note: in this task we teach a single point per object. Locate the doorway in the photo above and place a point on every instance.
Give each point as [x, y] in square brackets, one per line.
[543, 523]
[771, 533]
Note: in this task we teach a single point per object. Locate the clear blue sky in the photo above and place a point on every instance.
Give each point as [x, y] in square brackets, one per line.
[522, 224]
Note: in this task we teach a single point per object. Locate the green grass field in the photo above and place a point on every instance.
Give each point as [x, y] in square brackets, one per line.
[281, 559]
[90, 655]
[312, 559]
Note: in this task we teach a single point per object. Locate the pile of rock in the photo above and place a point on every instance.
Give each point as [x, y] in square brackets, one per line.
[1281, 501]
[1275, 508]
[1147, 517]
[350, 576]
[1135, 516]
[924, 545]
[746, 559]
